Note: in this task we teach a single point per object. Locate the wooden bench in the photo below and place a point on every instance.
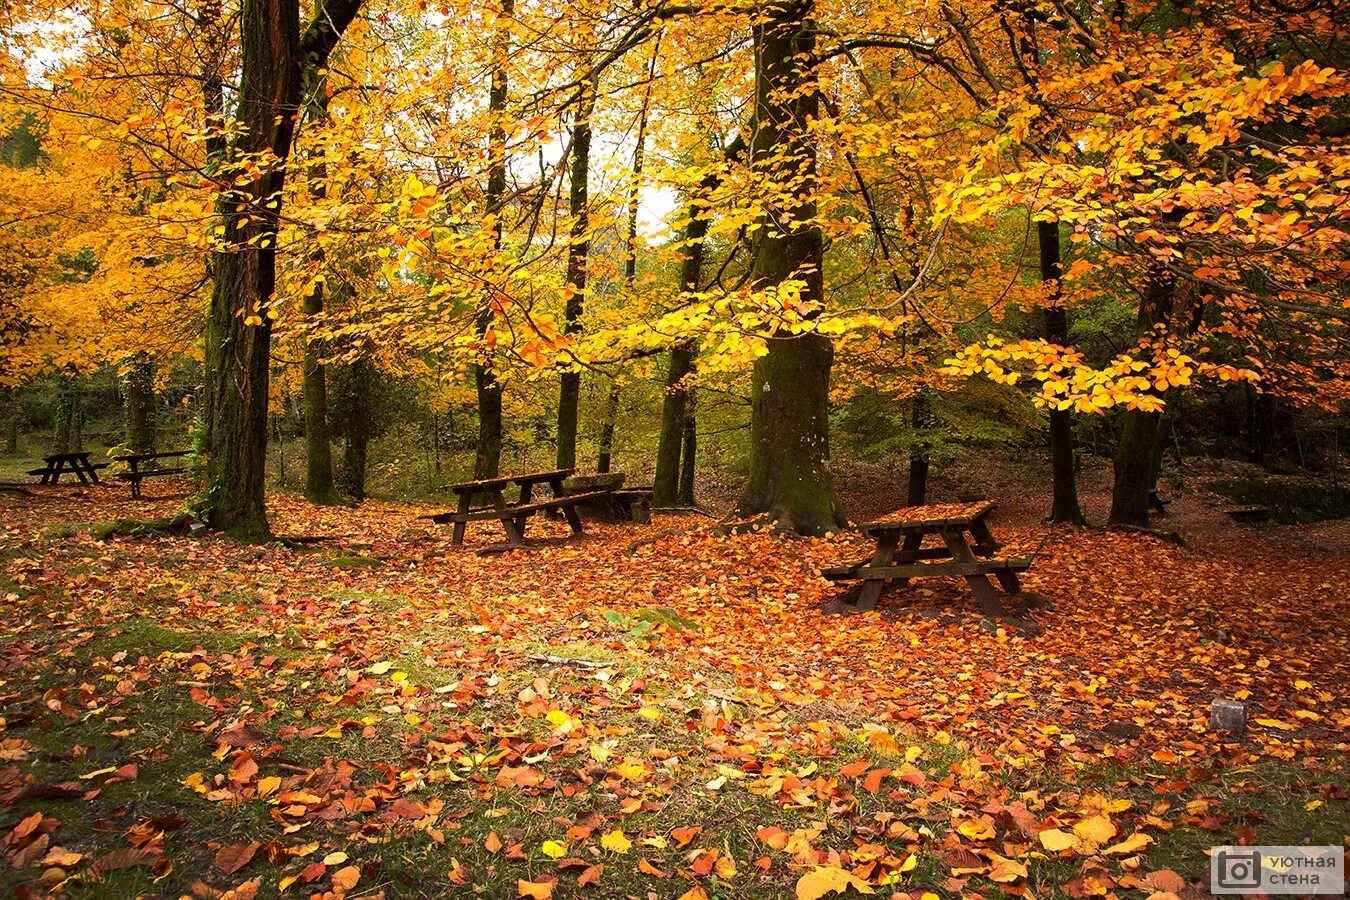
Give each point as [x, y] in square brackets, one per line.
[900, 554]
[513, 516]
[135, 474]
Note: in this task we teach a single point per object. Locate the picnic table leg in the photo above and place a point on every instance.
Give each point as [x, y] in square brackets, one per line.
[526, 494]
[909, 552]
[980, 529]
[462, 510]
[514, 526]
[882, 556]
[984, 592]
[93, 473]
[573, 517]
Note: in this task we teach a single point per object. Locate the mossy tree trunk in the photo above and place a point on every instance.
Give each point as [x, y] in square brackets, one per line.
[138, 394]
[9, 420]
[66, 436]
[790, 480]
[569, 391]
[1140, 431]
[920, 419]
[356, 402]
[273, 55]
[488, 455]
[689, 457]
[605, 457]
[1064, 506]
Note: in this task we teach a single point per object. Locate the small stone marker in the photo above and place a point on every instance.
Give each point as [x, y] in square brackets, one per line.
[1228, 715]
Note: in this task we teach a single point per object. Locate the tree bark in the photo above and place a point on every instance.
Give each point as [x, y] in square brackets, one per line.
[569, 393]
[666, 486]
[10, 411]
[917, 489]
[319, 485]
[487, 459]
[138, 391]
[1140, 431]
[1064, 506]
[66, 437]
[790, 479]
[689, 459]
[358, 425]
[604, 457]
[238, 322]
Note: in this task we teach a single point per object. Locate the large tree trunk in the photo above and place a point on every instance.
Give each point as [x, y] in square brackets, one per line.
[605, 457]
[569, 393]
[239, 322]
[1140, 431]
[1064, 481]
[487, 460]
[666, 486]
[138, 391]
[790, 479]
[67, 437]
[319, 486]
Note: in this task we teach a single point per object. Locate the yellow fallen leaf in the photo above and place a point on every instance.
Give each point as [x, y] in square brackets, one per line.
[1055, 840]
[617, 841]
[1097, 829]
[976, 829]
[380, 668]
[536, 890]
[1132, 844]
[336, 858]
[1006, 870]
[555, 849]
[829, 880]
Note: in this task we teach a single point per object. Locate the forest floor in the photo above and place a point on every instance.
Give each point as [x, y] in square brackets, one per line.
[653, 711]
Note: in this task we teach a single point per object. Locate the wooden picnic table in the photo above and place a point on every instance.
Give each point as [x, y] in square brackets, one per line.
[135, 474]
[900, 554]
[77, 463]
[513, 516]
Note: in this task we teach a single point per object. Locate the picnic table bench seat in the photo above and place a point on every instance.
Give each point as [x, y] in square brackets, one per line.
[899, 554]
[135, 474]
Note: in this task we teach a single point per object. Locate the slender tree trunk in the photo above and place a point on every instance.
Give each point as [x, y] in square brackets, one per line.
[319, 485]
[920, 416]
[487, 460]
[666, 486]
[9, 410]
[611, 412]
[602, 462]
[689, 459]
[1140, 431]
[1064, 504]
[790, 479]
[138, 391]
[358, 426]
[569, 393]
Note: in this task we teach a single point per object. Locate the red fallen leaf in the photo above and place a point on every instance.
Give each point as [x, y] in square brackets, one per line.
[1165, 880]
[704, 864]
[872, 783]
[774, 836]
[25, 827]
[854, 769]
[407, 809]
[686, 834]
[129, 772]
[233, 857]
[312, 872]
[960, 861]
[763, 863]
[126, 858]
[590, 876]
[21, 859]
[241, 737]
[649, 869]
[66, 790]
[573, 862]
[244, 769]
[170, 822]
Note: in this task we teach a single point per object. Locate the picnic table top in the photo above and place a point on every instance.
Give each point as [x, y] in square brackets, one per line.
[933, 515]
[487, 484]
[139, 457]
[72, 455]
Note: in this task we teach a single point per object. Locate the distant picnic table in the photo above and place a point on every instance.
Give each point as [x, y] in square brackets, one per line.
[135, 474]
[900, 554]
[513, 516]
[76, 463]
